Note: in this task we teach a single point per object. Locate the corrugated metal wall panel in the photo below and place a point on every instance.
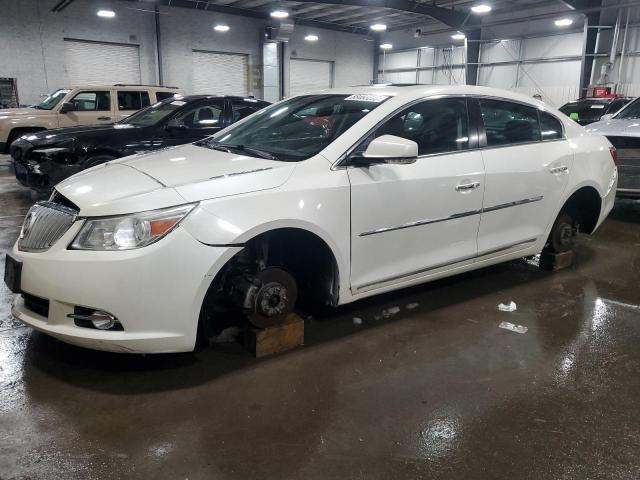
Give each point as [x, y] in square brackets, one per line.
[308, 75]
[220, 73]
[99, 63]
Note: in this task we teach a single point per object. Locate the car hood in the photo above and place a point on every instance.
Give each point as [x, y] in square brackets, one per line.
[621, 127]
[56, 135]
[170, 177]
[17, 112]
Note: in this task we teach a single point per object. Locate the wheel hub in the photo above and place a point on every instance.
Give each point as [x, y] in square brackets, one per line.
[272, 297]
[565, 234]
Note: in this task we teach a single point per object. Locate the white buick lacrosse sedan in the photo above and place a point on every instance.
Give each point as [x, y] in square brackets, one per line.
[327, 197]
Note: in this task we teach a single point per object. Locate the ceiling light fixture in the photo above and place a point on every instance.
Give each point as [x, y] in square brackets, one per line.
[106, 13]
[311, 38]
[458, 36]
[563, 22]
[378, 27]
[386, 46]
[279, 14]
[221, 28]
[481, 8]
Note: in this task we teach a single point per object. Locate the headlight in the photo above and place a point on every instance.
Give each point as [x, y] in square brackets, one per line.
[129, 231]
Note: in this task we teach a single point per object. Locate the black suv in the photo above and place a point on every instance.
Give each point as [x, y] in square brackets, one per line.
[45, 158]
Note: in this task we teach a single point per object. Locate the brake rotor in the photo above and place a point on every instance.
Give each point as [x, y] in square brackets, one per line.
[272, 299]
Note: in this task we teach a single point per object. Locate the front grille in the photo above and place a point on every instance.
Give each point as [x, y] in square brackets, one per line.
[36, 304]
[44, 224]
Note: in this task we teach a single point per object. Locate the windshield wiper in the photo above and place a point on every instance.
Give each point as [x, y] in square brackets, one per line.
[243, 148]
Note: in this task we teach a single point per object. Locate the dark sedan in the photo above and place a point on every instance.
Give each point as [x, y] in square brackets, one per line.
[45, 158]
[589, 110]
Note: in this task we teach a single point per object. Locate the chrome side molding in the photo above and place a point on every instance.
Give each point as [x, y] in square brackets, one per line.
[429, 221]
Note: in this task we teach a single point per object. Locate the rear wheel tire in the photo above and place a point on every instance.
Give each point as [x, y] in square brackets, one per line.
[563, 234]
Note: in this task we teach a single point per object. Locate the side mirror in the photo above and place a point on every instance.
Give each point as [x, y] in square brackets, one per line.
[607, 116]
[67, 107]
[387, 149]
[175, 126]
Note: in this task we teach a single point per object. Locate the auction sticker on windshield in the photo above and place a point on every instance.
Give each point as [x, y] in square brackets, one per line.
[366, 97]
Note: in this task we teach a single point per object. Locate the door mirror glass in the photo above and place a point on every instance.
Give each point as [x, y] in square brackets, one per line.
[67, 107]
[388, 149]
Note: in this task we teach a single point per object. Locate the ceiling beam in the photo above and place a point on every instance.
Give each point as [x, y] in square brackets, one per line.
[450, 18]
[262, 14]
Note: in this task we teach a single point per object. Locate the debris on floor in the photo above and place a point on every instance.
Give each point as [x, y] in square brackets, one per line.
[513, 327]
[388, 312]
[411, 306]
[228, 335]
[511, 307]
[357, 321]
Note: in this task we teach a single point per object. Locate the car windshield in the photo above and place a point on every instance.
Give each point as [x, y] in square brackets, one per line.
[630, 111]
[52, 100]
[153, 114]
[295, 129]
[584, 110]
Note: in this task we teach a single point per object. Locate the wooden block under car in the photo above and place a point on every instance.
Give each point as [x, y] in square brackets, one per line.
[270, 340]
[556, 261]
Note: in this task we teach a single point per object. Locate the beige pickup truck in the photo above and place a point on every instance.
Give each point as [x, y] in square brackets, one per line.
[81, 105]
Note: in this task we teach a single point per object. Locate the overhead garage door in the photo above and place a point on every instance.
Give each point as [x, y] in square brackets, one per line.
[220, 73]
[308, 75]
[94, 62]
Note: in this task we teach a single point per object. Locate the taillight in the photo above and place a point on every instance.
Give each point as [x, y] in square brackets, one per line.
[614, 155]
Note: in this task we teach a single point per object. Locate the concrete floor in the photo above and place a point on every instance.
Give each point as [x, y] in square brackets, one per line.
[435, 391]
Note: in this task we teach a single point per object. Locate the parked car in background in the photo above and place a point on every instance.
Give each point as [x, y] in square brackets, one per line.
[589, 110]
[327, 197]
[623, 131]
[81, 105]
[43, 159]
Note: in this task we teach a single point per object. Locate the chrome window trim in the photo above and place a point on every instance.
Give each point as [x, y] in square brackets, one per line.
[523, 243]
[338, 164]
[419, 223]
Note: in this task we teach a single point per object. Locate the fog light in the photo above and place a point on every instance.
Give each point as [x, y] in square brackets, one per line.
[98, 319]
[102, 320]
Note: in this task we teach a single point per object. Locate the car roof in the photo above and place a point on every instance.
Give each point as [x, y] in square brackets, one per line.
[122, 86]
[415, 92]
[191, 98]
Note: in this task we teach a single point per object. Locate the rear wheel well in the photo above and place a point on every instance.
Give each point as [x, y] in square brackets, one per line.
[303, 254]
[584, 206]
[17, 132]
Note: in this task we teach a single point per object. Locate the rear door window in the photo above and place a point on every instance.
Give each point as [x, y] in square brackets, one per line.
[509, 123]
[203, 116]
[164, 95]
[550, 127]
[133, 100]
[244, 108]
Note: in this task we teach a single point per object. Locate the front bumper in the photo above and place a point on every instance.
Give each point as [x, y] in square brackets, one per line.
[155, 292]
[44, 175]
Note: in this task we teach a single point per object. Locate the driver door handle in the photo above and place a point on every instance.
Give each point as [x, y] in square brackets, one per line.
[465, 187]
[104, 118]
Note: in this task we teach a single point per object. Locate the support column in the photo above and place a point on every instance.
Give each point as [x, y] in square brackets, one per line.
[588, 49]
[158, 46]
[376, 58]
[473, 55]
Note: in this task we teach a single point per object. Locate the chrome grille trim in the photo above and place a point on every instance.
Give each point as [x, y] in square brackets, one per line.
[44, 225]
